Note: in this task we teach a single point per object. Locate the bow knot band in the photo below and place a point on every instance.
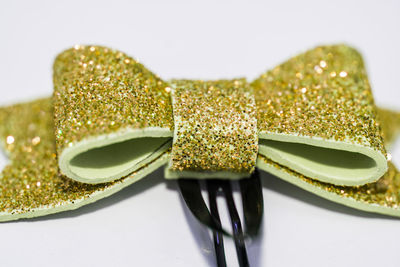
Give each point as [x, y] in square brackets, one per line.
[314, 114]
[215, 129]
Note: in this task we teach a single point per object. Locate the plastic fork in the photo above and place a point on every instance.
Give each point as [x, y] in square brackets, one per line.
[252, 200]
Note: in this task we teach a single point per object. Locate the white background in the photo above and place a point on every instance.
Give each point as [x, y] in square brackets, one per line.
[147, 223]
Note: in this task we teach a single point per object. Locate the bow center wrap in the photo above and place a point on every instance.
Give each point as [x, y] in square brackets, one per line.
[215, 129]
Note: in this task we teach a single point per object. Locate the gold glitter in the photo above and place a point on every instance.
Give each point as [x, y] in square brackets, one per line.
[39, 166]
[96, 85]
[215, 127]
[328, 107]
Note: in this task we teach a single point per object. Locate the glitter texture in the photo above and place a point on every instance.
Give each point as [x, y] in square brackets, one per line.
[99, 91]
[31, 180]
[215, 127]
[322, 93]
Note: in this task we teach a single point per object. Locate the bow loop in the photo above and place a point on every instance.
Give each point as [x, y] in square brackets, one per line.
[316, 115]
[112, 115]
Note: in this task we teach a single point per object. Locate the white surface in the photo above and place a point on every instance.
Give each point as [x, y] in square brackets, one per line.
[146, 224]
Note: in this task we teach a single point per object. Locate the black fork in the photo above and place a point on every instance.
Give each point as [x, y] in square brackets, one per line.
[252, 199]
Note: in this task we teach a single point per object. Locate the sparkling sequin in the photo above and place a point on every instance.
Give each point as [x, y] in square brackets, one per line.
[10, 140]
[216, 127]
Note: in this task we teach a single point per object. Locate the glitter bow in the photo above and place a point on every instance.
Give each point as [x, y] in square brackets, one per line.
[310, 121]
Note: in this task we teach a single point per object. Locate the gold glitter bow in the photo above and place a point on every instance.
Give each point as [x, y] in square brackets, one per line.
[310, 121]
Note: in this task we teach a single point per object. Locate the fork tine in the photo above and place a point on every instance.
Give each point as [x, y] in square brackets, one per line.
[253, 203]
[191, 193]
[236, 225]
[213, 188]
[252, 199]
